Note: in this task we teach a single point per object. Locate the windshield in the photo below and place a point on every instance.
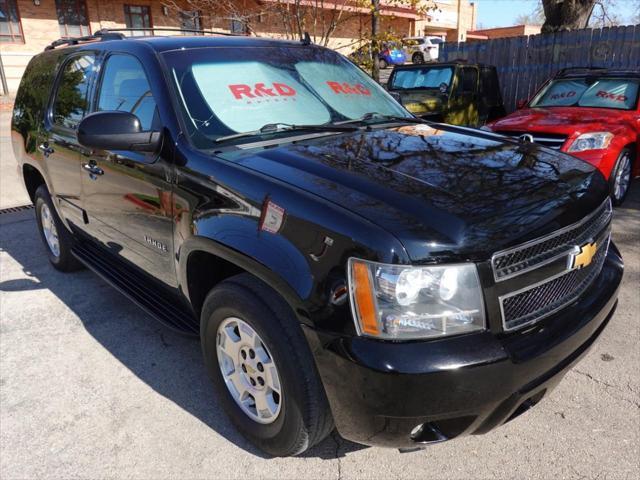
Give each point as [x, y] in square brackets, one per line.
[618, 93]
[422, 78]
[225, 91]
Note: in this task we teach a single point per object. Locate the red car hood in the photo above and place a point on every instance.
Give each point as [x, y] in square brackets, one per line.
[562, 120]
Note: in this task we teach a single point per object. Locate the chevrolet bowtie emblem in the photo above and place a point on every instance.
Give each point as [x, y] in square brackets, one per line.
[583, 258]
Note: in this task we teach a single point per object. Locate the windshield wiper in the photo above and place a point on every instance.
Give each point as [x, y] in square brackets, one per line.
[270, 128]
[373, 115]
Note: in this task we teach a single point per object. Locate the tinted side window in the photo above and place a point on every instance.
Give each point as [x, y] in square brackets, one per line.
[125, 88]
[71, 102]
[469, 79]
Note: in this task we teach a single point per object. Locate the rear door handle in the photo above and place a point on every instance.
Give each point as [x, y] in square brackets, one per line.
[93, 169]
[45, 149]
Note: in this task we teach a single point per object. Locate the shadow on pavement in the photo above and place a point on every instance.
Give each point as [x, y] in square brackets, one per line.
[169, 363]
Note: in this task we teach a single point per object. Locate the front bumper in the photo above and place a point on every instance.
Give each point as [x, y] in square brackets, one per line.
[380, 392]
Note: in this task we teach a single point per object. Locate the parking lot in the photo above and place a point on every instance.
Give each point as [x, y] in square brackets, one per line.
[92, 387]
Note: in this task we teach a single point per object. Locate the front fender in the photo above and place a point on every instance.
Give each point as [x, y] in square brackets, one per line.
[273, 260]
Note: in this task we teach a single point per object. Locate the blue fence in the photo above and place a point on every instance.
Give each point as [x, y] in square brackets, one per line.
[524, 63]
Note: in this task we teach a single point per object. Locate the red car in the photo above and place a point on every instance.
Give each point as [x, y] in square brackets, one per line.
[593, 114]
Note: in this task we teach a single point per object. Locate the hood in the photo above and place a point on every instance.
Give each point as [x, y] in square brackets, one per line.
[444, 192]
[563, 120]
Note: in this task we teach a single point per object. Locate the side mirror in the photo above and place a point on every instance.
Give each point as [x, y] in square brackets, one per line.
[115, 130]
[521, 103]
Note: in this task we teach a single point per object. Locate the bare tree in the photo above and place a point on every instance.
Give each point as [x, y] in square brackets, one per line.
[245, 12]
[534, 17]
[292, 18]
[566, 14]
[375, 40]
[635, 19]
[603, 14]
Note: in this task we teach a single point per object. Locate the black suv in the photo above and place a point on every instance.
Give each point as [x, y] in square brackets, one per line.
[343, 262]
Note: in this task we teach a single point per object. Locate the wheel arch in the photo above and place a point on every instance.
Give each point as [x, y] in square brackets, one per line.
[204, 262]
[634, 147]
[32, 178]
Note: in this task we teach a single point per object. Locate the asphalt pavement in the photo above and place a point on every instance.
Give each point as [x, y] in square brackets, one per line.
[92, 387]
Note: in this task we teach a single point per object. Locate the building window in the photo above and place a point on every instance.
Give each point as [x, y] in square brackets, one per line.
[238, 26]
[10, 28]
[190, 20]
[72, 18]
[138, 16]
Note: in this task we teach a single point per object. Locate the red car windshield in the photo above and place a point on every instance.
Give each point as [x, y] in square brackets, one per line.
[617, 93]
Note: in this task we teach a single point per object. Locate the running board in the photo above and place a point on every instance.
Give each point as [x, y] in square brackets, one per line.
[136, 287]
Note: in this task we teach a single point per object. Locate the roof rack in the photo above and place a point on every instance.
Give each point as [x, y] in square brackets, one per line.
[579, 70]
[117, 34]
[100, 35]
[171, 29]
[567, 70]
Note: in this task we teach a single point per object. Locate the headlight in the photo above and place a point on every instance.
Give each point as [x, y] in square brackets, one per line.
[591, 141]
[404, 302]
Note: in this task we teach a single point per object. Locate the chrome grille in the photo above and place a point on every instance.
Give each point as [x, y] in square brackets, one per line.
[534, 302]
[538, 301]
[528, 256]
[551, 140]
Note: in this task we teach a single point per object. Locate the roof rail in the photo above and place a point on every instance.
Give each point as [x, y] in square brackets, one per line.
[117, 34]
[578, 70]
[171, 29]
[100, 35]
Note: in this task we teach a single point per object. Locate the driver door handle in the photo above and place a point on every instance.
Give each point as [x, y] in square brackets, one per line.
[92, 169]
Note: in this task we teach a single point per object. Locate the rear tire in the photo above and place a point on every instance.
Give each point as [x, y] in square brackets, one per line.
[56, 238]
[620, 178]
[417, 58]
[299, 417]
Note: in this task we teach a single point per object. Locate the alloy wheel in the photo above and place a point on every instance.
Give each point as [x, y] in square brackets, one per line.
[248, 370]
[623, 177]
[49, 229]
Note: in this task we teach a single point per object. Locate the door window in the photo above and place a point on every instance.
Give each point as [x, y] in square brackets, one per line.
[490, 87]
[71, 103]
[125, 88]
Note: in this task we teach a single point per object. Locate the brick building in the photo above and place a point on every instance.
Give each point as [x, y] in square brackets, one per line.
[505, 32]
[27, 26]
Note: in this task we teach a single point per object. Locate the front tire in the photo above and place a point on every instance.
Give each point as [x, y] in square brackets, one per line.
[620, 178]
[261, 367]
[55, 236]
[417, 58]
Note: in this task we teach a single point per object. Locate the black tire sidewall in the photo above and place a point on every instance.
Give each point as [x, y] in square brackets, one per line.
[420, 58]
[236, 301]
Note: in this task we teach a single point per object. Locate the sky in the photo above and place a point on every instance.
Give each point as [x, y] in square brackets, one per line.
[501, 13]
